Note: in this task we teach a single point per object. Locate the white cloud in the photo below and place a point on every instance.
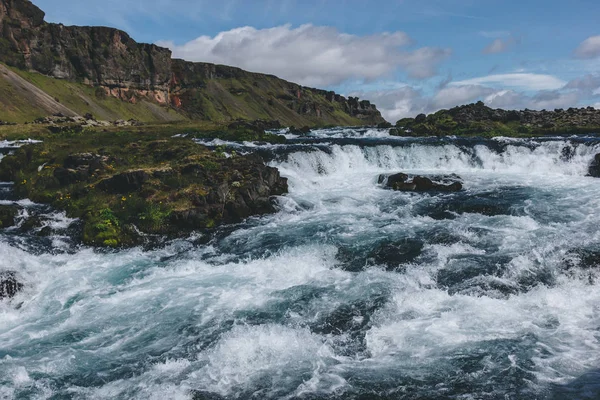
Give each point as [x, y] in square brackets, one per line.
[552, 100]
[507, 99]
[454, 95]
[397, 103]
[497, 46]
[524, 81]
[589, 82]
[313, 55]
[408, 101]
[589, 48]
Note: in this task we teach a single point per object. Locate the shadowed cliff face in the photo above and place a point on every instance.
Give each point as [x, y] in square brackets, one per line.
[120, 67]
[95, 55]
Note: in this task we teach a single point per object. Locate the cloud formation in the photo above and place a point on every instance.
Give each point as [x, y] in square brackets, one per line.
[313, 55]
[589, 48]
[524, 81]
[409, 101]
[497, 46]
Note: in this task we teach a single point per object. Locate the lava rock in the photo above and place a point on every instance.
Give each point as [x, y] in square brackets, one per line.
[400, 182]
[305, 130]
[7, 216]
[9, 285]
[594, 168]
[394, 254]
[125, 182]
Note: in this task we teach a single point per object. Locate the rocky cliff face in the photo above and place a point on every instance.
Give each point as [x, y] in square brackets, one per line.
[195, 85]
[120, 67]
[98, 56]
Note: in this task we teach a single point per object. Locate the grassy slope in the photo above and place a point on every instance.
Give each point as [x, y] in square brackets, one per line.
[222, 100]
[263, 99]
[17, 105]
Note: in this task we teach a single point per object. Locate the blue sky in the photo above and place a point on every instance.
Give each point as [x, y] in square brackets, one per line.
[407, 56]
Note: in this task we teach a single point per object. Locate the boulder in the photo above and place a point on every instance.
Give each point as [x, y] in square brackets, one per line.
[9, 285]
[594, 168]
[125, 182]
[400, 182]
[7, 216]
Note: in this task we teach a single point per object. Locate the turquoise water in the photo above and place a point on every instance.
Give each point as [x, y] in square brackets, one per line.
[349, 291]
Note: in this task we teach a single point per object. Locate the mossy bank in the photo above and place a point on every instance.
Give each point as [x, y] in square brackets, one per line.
[126, 186]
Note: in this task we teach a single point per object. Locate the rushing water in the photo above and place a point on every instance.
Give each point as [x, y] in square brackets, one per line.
[350, 291]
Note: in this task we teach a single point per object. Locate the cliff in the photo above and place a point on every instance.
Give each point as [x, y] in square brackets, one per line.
[478, 119]
[116, 66]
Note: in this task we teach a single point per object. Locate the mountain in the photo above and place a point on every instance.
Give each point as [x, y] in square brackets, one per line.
[75, 70]
[481, 120]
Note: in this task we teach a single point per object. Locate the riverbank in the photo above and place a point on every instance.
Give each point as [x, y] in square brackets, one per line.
[128, 185]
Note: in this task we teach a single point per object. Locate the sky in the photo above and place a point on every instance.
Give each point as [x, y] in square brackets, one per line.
[406, 56]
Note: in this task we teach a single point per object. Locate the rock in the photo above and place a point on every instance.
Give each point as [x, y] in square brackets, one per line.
[391, 180]
[384, 125]
[305, 130]
[423, 184]
[420, 118]
[9, 286]
[125, 182]
[69, 176]
[594, 168]
[7, 216]
[397, 253]
[447, 183]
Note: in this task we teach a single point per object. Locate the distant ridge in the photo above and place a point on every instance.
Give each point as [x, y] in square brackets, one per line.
[479, 119]
[93, 66]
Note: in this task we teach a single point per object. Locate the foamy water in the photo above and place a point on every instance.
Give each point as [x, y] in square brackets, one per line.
[349, 290]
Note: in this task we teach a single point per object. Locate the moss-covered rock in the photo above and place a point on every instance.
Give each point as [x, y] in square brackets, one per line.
[7, 216]
[123, 185]
[480, 120]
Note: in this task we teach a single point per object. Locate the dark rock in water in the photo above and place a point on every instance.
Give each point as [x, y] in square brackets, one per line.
[594, 168]
[202, 395]
[567, 153]
[7, 216]
[397, 253]
[400, 182]
[125, 182]
[9, 286]
[305, 130]
[582, 258]
[393, 179]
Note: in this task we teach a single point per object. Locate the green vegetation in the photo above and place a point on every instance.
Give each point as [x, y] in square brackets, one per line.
[22, 105]
[120, 183]
[479, 120]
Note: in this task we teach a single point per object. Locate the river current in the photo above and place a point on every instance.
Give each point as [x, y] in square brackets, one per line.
[349, 291]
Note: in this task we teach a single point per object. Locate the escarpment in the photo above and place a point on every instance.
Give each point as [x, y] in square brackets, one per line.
[110, 61]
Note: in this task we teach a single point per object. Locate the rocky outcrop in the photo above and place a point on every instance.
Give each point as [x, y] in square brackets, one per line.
[478, 119]
[125, 186]
[196, 85]
[7, 216]
[247, 192]
[594, 168]
[9, 285]
[118, 66]
[401, 182]
[99, 56]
